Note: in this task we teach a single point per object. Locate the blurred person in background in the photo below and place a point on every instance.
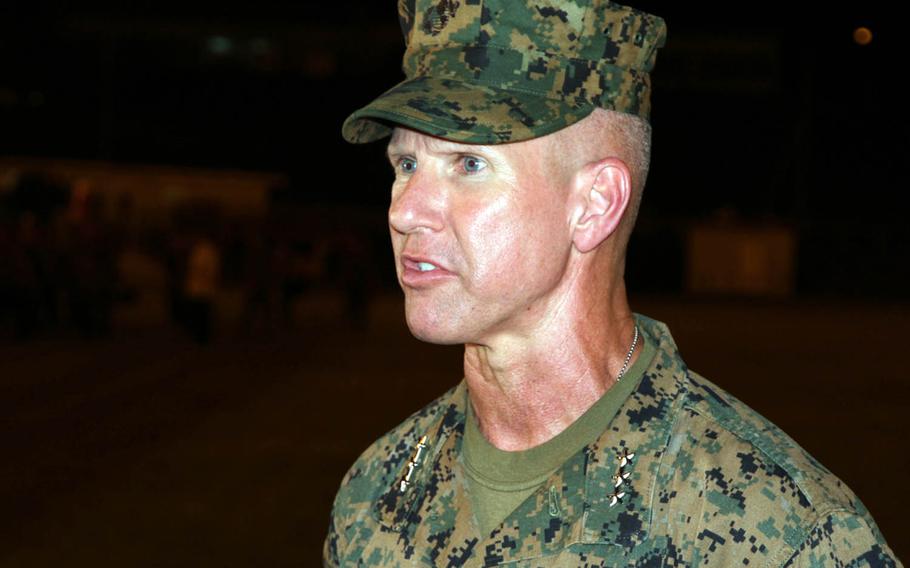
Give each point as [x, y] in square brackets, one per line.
[202, 271]
[91, 258]
[34, 254]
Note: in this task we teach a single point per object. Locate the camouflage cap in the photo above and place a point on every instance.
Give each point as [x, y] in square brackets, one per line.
[496, 71]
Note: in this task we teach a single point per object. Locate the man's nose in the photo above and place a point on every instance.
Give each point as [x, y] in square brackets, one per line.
[417, 205]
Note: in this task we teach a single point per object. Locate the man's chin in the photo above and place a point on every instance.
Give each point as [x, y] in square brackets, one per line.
[433, 332]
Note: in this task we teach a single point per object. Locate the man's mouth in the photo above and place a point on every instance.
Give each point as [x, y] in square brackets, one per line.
[420, 264]
[418, 272]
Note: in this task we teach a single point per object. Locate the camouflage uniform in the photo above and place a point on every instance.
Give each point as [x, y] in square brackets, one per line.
[696, 476]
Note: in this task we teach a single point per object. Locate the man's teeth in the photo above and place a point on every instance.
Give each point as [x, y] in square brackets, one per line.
[425, 266]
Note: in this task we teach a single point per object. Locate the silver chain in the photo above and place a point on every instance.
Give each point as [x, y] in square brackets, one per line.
[625, 364]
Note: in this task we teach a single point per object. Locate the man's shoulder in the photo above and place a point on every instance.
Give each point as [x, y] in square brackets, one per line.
[720, 430]
[756, 483]
[765, 442]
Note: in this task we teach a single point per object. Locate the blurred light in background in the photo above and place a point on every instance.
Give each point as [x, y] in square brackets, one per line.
[220, 45]
[862, 35]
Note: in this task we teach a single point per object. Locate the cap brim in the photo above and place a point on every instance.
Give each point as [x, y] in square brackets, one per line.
[462, 112]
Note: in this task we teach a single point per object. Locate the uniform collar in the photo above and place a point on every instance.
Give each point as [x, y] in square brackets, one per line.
[642, 428]
[573, 505]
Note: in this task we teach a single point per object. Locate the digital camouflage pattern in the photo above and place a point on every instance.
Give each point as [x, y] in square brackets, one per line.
[710, 482]
[495, 71]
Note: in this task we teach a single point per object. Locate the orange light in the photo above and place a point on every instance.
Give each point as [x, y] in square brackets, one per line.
[862, 35]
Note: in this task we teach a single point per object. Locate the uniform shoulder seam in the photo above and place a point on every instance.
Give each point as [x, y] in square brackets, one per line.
[733, 421]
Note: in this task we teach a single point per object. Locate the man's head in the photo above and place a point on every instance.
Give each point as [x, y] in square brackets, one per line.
[492, 239]
[520, 145]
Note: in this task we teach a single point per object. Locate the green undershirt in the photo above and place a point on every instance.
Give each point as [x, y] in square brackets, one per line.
[499, 481]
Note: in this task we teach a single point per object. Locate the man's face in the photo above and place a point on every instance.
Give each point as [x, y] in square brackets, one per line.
[481, 236]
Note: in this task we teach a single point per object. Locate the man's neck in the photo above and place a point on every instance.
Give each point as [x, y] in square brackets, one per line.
[526, 391]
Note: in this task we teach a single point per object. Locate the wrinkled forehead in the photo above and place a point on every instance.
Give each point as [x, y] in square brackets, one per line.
[405, 140]
[412, 140]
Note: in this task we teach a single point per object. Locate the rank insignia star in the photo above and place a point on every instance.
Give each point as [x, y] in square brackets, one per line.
[625, 457]
[620, 477]
[616, 497]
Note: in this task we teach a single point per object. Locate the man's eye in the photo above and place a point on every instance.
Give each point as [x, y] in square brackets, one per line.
[473, 164]
[407, 165]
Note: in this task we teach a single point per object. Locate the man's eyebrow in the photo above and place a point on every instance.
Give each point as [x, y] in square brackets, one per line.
[391, 157]
[450, 147]
[393, 152]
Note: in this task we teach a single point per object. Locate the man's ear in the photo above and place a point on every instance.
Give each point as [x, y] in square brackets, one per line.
[603, 190]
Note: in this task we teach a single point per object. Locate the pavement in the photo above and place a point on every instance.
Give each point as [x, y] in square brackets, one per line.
[146, 450]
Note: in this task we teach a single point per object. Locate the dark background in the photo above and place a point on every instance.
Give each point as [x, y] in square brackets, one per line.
[138, 446]
[765, 114]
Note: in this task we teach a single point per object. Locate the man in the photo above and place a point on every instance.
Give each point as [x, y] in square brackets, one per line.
[578, 436]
